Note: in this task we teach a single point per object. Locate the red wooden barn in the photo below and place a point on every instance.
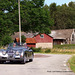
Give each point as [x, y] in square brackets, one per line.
[40, 40]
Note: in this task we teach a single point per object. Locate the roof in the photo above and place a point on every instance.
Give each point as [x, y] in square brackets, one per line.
[61, 34]
[30, 40]
[45, 39]
[56, 34]
[27, 35]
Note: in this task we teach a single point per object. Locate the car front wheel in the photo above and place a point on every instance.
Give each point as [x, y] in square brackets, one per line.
[1, 62]
[30, 60]
[24, 59]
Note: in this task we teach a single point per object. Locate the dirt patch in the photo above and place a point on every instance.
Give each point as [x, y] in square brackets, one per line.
[41, 56]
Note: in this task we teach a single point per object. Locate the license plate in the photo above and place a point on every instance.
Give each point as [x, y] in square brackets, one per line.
[10, 56]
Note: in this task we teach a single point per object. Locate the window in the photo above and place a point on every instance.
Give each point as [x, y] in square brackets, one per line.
[72, 37]
[41, 36]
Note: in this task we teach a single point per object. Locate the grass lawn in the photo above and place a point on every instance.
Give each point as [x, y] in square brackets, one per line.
[72, 63]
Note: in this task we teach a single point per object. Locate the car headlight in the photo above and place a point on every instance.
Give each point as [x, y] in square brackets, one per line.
[4, 52]
[21, 54]
[17, 53]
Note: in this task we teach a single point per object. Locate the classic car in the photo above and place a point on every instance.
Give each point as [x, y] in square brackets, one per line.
[16, 53]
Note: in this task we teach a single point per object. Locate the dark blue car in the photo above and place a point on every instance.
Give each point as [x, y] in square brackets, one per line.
[16, 52]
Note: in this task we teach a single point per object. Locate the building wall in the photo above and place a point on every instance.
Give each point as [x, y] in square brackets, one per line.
[44, 45]
[45, 42]
[59, 41]
[31, 44]
[73, 37]
[45, 39]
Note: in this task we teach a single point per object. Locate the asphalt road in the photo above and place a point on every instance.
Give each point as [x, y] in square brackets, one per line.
[43, 64]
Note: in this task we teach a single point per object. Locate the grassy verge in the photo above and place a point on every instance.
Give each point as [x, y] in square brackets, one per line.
[72, 63]
[64, 49]
[54, 51]
[66, 46]
[57, 49]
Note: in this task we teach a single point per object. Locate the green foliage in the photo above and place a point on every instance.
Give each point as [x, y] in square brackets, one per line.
[72, 63]
[53, 9]
[36, 49]
[0, 44]
[38, 3]
[47, 50]
[33, 17]
[23, 38]
[64, 16]
[72, 4]
[66, 46]
[6, 40]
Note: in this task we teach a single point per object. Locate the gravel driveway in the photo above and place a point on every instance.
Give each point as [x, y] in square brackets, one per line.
[43, 64]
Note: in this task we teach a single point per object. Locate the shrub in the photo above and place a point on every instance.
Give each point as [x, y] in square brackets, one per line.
[36, 49]
[23, 38]
[47, 50]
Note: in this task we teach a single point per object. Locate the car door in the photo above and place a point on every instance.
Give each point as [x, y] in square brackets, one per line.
[30, 52]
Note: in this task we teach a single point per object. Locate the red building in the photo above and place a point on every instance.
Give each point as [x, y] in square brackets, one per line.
[31, 42]
[40, 40]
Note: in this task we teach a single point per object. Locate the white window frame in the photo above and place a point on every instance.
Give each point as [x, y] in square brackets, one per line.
[42, 36]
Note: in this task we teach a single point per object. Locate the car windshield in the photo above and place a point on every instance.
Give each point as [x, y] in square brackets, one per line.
[17, 45]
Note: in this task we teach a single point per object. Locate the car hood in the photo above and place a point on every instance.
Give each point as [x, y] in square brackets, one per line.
[16, 49]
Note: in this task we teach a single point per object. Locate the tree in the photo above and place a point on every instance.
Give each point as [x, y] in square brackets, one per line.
[36, 19]
[53, 9]
[64, 16]
[33, 17]
[6, 40]
[71, 4]
[46, 7]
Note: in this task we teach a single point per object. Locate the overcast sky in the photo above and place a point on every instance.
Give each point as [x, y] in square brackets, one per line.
[58, 2]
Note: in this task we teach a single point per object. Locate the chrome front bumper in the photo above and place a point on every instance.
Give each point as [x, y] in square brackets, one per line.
[10, 57]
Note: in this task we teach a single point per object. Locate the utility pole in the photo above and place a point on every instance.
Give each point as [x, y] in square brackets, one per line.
[19, 21]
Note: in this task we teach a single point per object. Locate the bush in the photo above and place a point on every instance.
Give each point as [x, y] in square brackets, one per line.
[47, 50]
[36, 49]
[6, 40]
[23, 38]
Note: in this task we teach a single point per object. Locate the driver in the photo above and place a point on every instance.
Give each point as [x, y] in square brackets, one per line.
[14, 44]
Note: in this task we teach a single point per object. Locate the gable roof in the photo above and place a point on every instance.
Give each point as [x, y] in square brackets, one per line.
[42, 33]
[45, 39]
[27, 35]
[55, 34]
[61, 34]
[30, 40]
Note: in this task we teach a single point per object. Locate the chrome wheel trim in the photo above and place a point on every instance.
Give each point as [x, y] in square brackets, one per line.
[24, 60]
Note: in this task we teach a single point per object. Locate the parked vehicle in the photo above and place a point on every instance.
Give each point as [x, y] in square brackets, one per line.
[16, 53]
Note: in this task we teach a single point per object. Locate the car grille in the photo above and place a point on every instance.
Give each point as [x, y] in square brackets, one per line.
[10, 56]
[11, 53]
